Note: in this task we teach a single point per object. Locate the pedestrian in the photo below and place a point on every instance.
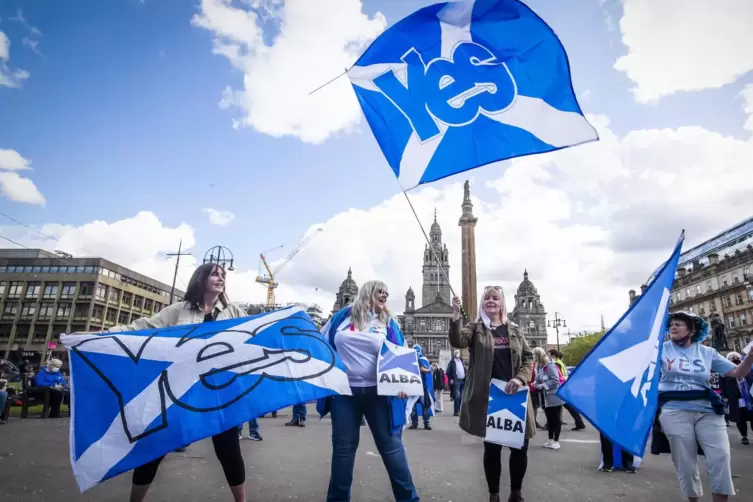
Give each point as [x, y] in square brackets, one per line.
[439, 379]
[49, 377]
[426, 401]
[205, 301]
[299, 416]
[690, 413]
[498, 350]
[456, 371]
[548, 381]
[253, 430]
[356, 332]
[3, 399]
[556, 356]
[536, 400]
[739, 399]
[607, 457]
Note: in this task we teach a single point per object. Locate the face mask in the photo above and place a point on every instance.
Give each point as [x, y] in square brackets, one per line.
[54, 370]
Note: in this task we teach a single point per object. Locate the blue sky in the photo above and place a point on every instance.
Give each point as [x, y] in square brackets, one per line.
[120, 114]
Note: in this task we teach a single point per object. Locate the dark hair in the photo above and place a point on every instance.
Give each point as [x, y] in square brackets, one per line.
[198, 283]
[556, 353]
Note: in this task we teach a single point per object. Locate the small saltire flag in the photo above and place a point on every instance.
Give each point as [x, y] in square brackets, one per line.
[139, 395]
[506, 415]
[458, 85]
[397, 371]
[616, 384]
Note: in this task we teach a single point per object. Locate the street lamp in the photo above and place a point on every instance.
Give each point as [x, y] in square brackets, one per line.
[220, 255]
[556, 323]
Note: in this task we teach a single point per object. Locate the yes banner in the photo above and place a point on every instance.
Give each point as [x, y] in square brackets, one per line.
[506, 415]
[397, 371]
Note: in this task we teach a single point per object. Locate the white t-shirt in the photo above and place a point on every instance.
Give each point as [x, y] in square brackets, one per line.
[359, 350]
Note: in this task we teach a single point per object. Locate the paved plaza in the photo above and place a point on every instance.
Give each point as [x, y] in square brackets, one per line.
[292, 464]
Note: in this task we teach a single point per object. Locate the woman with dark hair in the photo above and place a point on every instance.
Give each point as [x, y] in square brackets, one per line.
[205, 301]
[690, 412]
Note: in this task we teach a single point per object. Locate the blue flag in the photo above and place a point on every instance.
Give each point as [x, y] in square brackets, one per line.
[142, 394]
[458, 85]
[616, 384]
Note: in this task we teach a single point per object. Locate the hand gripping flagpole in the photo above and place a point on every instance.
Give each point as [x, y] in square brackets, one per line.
[433, 252]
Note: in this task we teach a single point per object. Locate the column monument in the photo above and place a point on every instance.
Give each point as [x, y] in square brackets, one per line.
[467, 224]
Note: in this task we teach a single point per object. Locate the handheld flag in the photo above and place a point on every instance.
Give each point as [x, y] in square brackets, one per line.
[506, 415]
[425, 398]
[616, 384]
[458, 85]
[397, 371]
[142, 394]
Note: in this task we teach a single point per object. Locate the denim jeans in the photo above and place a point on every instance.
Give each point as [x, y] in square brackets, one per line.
[424, 411]
[346, 427]
[3, 400]
[457, 394]
[299, 412]
[253, 426]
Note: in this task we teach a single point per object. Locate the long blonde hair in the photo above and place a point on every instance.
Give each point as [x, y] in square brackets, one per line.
[364, 304]
[540, 357]
[503, 314]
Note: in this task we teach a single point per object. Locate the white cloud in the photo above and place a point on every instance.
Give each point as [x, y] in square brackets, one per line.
[311, 47]
[221, 218]
[747, 95]
[9, 77]
[676, 45]
[13, 185]
[115, 241]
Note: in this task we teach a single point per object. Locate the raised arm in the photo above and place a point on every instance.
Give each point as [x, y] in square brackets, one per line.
[166, 317]
[742, 369]
[460, 338]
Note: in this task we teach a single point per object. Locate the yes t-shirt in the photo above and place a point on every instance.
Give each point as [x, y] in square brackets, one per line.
[689, 368]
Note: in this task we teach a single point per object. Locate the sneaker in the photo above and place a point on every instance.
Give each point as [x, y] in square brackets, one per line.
[578, 428]
[605, 469]
[630, 470]
[548, 443]
[745, 441]
[293, 423]
[301, 423]
[427, 427]
[413, 426]
[515, 497]
[240, 434]
[254, 436]
[555, 445]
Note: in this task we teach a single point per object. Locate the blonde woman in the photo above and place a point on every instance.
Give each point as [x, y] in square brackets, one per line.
[547, 380]
[356, 333]
[498, 350]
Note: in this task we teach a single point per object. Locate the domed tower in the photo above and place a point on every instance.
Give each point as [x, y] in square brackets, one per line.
[347, 292]
[410, 300]
[529, 313]
[434, 280]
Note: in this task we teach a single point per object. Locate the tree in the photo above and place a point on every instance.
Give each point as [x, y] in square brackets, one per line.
[577, 348]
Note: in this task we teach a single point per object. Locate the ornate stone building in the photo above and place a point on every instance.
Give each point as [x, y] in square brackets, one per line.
[347, 292]
[467, 224]
[529, 313]
[429, 324]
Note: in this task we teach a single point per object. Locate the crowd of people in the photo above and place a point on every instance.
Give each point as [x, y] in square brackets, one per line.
[690, 417]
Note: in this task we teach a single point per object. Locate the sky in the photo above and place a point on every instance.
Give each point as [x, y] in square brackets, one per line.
[129, 125]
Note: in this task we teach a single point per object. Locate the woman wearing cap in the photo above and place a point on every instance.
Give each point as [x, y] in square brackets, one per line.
[690, 412]
[498, 350]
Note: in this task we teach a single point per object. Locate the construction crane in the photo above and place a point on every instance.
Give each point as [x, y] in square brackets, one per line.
[269, 279]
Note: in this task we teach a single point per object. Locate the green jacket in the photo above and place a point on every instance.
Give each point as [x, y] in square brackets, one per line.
[476, 337]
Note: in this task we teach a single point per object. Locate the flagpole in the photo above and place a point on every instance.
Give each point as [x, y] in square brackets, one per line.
[433, 252]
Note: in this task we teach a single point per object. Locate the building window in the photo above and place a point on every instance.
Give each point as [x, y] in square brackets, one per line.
[690, 309]
[750, 295]
[64, 310]
[712, 306]
[724, 280]
[739, 299]
[746, 273]
[687, 293]
[46, 310]
[100, 292]
[82, 310]
[138, 302]
[97, 312]
[127, 298]
[10, 310]
[28, 310]
[422, 325]
[51, 291]
[111, 315]
[728, 301]
[158, 307]
[123, 318]
[702, 309]
[114, 295]
[731, 321]
[32, 290]
[698, 289]
[69, 290]
[3, 287]
[743, 320]
[87, 289]
[708, 286]
[148, 304]
[677, 297]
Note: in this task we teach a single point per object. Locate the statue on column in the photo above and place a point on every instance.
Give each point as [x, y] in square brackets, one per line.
[718, 338]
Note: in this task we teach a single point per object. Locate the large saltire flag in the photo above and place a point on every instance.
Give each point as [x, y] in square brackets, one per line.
[458, 85]
[142, 394]
[616, 384]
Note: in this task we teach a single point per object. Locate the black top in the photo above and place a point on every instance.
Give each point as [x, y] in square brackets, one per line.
[502, 365]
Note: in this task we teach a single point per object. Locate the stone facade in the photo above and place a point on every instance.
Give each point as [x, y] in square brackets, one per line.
[347, 292]
[429, 325]
[529, 313]
[467, 224]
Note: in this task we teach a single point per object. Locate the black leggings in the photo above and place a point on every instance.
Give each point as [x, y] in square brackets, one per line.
[493, 466]
[554, 421]
[742, 422]
[227, 447]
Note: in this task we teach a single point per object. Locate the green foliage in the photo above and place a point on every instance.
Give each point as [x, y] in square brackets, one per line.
[574, 352]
